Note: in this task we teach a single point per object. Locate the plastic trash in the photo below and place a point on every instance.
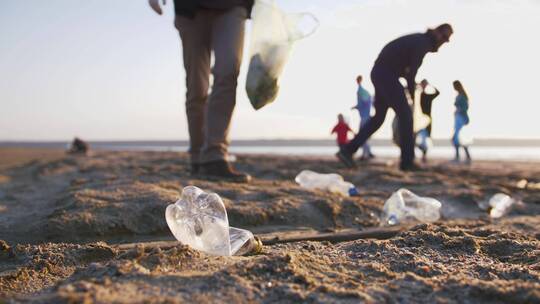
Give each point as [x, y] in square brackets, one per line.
[420, 121]
[272, 36]
[522, 184]
[525, 184]
[329, 182]
[500, 204]
[199, 219]
[465, 137]
[405, 206]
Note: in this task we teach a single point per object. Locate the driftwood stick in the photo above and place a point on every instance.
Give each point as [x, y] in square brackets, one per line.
[292, 236]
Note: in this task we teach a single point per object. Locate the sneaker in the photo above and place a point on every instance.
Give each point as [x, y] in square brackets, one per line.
[412, 167]
[371, 155]
[346, 159]
[222, 169]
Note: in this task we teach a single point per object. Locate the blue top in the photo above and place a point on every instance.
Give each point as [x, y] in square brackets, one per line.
[364, 102]
[462, 106]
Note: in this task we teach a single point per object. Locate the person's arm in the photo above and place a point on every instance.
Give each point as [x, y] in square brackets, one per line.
[154, 4]
[334, 130]
[436, 92]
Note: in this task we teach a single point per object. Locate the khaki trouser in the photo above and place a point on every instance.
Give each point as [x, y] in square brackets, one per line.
[209, 116]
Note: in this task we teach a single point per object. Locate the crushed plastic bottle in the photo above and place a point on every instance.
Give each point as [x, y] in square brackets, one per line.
[199, 219]
[500, 204]
[330, 182]
[405, 206]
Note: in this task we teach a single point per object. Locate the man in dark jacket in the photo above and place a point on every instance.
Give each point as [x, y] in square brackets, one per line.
[399, 58]
[207, 26]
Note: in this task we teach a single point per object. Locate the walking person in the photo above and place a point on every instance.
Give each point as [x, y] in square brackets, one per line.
[342, 130]
[399, 58]
[461, 119]
[206, 27]
[363, 105]
[426, 102]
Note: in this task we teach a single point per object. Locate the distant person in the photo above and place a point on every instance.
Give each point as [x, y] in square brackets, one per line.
[342, 130]
[207, 27]
[399, 58]
[363, 105]
[461, 119]
[78, 146]
[426, 101]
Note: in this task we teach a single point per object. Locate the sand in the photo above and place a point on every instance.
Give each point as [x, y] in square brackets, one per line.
[62, 219]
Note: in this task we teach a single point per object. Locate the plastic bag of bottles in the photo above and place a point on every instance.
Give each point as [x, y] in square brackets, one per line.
[330, 182]
[404, 206]
[272, 36]
[199, 219]
[465, 137]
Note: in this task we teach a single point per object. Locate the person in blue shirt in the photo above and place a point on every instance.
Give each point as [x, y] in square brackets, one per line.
[401, 57]
[461, 119]
[364, 103]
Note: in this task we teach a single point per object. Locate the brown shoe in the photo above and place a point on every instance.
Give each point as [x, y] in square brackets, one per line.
[222, 169]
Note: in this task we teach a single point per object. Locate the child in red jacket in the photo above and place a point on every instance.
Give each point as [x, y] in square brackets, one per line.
[342, 129]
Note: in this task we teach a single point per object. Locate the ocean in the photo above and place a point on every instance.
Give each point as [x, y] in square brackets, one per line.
[488, 149]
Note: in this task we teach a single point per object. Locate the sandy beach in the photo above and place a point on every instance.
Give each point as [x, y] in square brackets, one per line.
[84, 229]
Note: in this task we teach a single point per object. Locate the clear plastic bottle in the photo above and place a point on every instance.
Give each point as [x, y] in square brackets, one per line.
[330, 182]
[199, 219]
[500, 204]
[405, 206]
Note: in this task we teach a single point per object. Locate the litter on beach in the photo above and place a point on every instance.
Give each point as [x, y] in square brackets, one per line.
[404, 206]
[199, 219]
[331, 182]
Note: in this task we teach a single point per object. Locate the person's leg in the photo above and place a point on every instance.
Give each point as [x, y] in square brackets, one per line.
[398, 102]
[458, 125]
[228, 44]
[468, 154]
[370, 127]
[366, 149]
[195, 36]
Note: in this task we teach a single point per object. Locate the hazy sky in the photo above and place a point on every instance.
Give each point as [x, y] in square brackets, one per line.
[112, 70]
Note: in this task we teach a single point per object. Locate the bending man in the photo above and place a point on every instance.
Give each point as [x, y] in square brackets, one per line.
[399, 58]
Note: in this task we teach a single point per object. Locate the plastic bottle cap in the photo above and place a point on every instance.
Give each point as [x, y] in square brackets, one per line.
[353, 191]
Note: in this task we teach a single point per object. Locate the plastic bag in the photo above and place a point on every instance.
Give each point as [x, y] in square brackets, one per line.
[465, 137]
[420, 120]
[272, 36]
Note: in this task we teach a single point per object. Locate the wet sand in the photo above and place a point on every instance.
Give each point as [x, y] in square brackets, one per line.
[62, 218]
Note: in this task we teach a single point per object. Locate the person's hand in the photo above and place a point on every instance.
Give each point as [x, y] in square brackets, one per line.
[154, 4]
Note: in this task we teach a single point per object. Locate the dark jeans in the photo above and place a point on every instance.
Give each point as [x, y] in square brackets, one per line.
[389, 93]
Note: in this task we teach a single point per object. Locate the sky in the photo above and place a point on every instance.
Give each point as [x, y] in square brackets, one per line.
[112, 70]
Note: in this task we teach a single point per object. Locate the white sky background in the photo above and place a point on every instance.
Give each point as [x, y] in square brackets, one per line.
[112, 70]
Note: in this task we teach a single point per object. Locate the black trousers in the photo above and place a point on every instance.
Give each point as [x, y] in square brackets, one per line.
[389, 93]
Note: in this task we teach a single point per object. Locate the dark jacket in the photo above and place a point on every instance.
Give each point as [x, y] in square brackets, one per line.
[404, 55]
[188, 8]
[426, 101]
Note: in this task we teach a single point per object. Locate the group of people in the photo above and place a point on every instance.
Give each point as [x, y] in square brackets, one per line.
[401, 58]
[217, 27]
[427, 96]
